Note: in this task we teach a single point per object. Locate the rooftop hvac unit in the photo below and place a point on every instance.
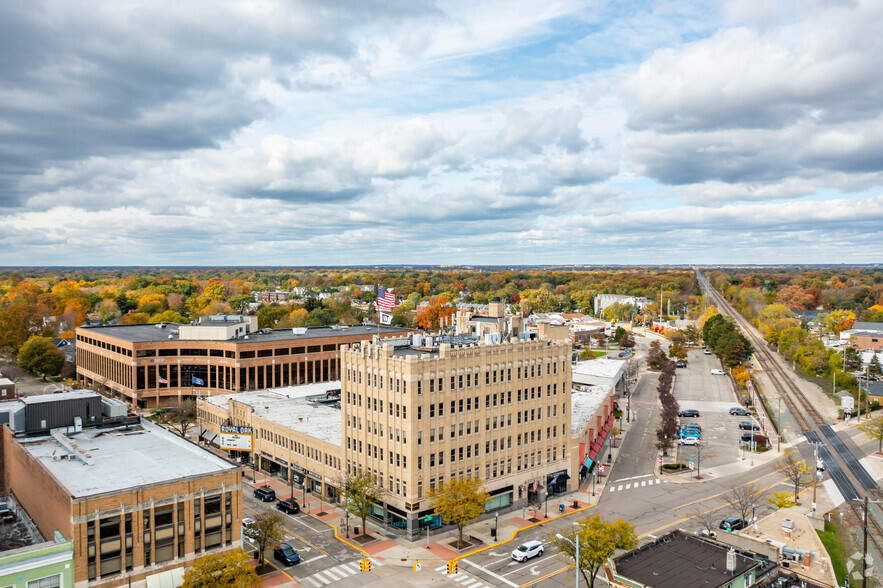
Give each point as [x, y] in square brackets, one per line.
[171, 336]
[71, 457]
[246, 337]
[160, 326]
[57, 457]
[299, 330]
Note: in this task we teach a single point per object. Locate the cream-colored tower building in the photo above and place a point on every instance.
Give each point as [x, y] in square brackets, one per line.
[422, 411]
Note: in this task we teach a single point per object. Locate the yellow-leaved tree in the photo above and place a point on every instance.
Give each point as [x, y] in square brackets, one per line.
[225, 570]
[459, 502]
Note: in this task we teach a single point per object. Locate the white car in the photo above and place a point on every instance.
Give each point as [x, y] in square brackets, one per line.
[527, 551]
[718, 373]
[688, 441]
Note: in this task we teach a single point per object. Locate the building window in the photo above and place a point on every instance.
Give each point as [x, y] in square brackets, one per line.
[47, 582]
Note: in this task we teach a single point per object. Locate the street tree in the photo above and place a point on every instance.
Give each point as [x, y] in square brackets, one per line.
[655, 356]
[795, 469]
[225, 570]
[40, 356]
[708, 520]
[701, 454]
[360, 492]
[743, 497]
[598, 540]
[852, 359]
[677, 350]
[459, 502]
[626, 340]
[266, 532]
[181, 417]
[873, 428]
[691, 333]
[782, 499]
[874, 370]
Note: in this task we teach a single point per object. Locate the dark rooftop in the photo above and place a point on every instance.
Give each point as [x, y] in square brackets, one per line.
[677, 560]
[146, 333]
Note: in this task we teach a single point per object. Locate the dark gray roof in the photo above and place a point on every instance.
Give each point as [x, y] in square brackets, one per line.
[147, 333]
[483, 319]
[867, 326]
[677, 560]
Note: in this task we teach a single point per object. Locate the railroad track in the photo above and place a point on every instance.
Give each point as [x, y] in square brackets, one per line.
[803, 411]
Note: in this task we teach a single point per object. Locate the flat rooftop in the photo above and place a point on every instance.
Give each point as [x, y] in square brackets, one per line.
[293, 408]
[123, 458]
[584, 403]
[41, 398]
[601, 367]
[677, 560]
[148, 333]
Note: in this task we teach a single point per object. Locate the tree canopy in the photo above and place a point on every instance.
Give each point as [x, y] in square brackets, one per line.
[40, 356]
[598, 540]
[460, 501]
[225, 570]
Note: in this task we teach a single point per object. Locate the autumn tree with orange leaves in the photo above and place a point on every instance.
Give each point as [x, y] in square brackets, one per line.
[429, 317]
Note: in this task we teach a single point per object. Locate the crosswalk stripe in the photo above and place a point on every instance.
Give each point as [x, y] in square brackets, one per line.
[334, 574]
[642, 484]
[315, 582]
[440, 568]
[318, 577]
[469, 581]
[627, 486]
[344, 570]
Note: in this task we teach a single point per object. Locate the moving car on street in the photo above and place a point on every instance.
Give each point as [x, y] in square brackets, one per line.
[288, 506]
[718, 373]
[527, 550]
[265, 494]
[286, 554]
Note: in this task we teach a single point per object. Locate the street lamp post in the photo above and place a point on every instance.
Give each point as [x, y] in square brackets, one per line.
[347, 524]
[576, 545]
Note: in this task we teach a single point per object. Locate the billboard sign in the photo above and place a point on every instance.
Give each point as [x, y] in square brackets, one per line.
[236, 438]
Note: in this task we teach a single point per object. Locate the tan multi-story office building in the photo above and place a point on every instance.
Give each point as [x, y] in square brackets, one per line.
[420, 413]
[138, 501]
[153, 365]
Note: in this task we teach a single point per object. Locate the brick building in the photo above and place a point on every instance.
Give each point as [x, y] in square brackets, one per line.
[137, 500]
[152, 365]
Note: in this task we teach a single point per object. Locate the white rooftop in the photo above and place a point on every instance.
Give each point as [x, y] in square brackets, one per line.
[40, 398]
[290, 408]
[583, 404]
[123, 458]
[599, 368]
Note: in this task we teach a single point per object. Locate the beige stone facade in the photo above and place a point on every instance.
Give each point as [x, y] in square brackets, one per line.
[418, 416]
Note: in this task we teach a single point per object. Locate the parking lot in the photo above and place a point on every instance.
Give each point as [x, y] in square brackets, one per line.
[712, 395]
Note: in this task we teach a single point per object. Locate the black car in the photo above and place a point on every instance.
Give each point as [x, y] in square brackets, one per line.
[286, 554]
[690, 412]
[748, 426]
[288, 506]
[739, 411]
[265, 494]
[733, 524]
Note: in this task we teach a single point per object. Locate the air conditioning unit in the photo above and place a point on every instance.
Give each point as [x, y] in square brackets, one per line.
[71, 457]
[57, 457]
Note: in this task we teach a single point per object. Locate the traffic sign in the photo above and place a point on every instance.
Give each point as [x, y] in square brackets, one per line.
[658, 460]
[601, 469]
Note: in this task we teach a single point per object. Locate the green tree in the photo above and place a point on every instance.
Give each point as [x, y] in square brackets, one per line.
[873, 428]
[459, 502]
[225, 570]
[360, 493]
[874, 371]
[598, 540]
[677, 350]
[39, 355]
[266, 531]
[539, 300]
[168, 316]
[852, 359]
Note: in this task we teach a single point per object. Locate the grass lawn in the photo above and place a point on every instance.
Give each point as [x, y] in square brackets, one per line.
[835, 550]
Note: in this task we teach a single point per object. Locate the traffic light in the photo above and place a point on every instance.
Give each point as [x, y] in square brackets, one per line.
[452, 566]
[365, 564]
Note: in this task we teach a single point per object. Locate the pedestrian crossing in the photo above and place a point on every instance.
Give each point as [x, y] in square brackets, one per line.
[462, 578]
[634, 485]
[335, 574]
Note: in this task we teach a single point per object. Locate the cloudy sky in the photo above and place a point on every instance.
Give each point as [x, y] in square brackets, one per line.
[297, 132]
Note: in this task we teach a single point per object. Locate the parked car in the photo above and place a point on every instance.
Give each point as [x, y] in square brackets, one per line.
[625, 353]
[688, 441]
[690, 412]
[247, 522]
[740, 411]
[689, 433]
[718, 373]
[288, 506]
[681, 364]
[265, 494]
[733, 524]
[690, 428]
[286, 554]
[528, 550]
[707, 351]
[748, 426]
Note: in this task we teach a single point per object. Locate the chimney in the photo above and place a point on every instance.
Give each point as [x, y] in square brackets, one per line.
[731, 561]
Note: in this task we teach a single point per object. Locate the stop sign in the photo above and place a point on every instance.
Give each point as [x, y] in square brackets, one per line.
[658, 460]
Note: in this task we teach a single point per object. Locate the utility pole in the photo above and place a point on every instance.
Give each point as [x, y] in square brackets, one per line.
[865, 548]
[779, 436]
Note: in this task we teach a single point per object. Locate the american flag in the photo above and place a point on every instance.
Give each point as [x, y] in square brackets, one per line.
[162, 380]
[385, 299]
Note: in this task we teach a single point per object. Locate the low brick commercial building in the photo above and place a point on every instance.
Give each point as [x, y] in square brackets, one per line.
[138, 501]
[161, 364]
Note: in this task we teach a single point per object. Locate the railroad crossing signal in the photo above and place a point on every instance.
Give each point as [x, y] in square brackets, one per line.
[452, 566]
[365, 564]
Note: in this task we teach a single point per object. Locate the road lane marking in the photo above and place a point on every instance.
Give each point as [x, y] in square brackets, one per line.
[315, 530]
[490, 573]
[533, 565]
[632, 478]
[314, 558]
[293, 534]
